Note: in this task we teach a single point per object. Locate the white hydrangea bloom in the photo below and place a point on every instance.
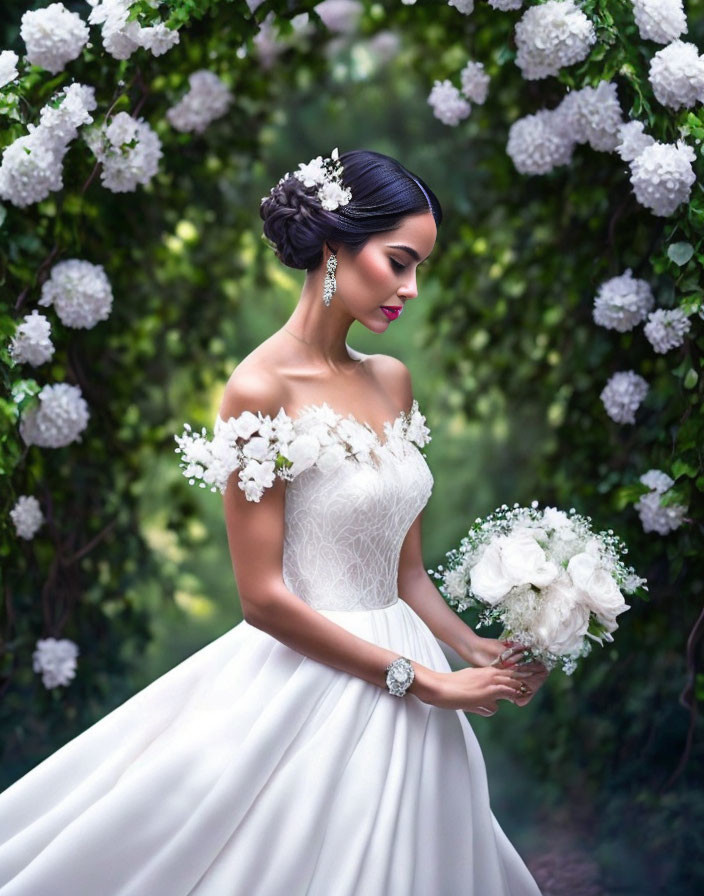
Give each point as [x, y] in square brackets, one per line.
[632, 140]
[340, 16]
[506, 5]
[653, 517]
[30, 169]
[666, 329]
[32, 343]
[79, 291]
[56, 660]
[594, 115]
[623, 394]
[61, 123]
[551, 36]
[266, 42]
[464, 6]
[8, 67]
[207, 99]
[31, 166]
[385, 45]
[124, 168]
[61, 417]
[475, 82]
[622, 302]
[158, 39]
[662, 176]
[677, 75]
[53, 36]
[120, 37]
[447, 103]
[540, 142]
[660, 20]
[27, 516]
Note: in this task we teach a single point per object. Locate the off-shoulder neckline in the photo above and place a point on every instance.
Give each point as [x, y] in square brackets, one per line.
[314, 407]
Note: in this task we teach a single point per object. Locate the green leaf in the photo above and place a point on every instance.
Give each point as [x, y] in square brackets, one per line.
[691, 379]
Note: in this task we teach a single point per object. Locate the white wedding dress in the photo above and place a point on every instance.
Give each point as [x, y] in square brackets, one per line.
[253, 770]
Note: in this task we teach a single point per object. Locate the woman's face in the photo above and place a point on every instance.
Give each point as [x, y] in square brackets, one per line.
[383, 273]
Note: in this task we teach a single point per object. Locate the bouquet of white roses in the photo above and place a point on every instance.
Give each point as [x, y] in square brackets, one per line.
[553, 583]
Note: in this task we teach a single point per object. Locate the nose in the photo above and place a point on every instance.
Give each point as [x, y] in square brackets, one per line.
[410, 289]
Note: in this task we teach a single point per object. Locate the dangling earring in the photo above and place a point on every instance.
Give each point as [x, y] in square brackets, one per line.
[330, 285]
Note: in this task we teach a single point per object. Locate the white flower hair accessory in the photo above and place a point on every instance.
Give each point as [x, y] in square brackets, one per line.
[326, 173]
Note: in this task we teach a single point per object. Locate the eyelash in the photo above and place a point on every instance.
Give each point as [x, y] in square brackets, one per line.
[397, 265]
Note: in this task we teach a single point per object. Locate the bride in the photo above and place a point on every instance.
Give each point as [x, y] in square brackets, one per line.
[320, 746]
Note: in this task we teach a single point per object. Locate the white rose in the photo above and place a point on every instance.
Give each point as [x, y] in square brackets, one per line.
[257, 448]
[246, 424]
[330, 458]
[523, 560]
[562, 620]
[487, 577]
[597, 588]
[303, 452]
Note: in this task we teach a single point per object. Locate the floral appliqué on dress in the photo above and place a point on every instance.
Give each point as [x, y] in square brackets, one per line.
[262, 447]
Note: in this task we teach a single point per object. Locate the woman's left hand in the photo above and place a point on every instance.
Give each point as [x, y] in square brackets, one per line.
[485, 651]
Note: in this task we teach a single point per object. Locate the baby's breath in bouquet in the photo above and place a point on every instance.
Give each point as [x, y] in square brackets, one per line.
[553, 583]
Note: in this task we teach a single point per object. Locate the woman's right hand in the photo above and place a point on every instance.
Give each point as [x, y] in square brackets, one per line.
[476, 689]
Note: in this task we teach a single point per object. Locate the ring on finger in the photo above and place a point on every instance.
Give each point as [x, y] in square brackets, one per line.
[523, 688]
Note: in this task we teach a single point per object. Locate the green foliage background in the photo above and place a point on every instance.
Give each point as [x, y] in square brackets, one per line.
[507, 365]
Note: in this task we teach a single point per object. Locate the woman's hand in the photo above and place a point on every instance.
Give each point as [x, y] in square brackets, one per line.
[476, 690]
[486, 651]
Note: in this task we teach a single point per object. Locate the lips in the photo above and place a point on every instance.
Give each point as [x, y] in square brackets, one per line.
[392, 311]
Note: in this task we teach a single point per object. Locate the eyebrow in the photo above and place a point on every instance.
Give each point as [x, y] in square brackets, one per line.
[411, 252]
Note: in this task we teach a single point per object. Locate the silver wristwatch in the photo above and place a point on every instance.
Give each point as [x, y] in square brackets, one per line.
[399, 675]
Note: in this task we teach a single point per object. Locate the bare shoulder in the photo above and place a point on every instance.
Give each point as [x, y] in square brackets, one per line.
[253, 386]
[392, 375]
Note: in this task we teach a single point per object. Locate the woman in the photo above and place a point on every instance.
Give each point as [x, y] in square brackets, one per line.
[320, 746]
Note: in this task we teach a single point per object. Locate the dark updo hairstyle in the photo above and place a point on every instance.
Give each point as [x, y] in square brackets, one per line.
[383, 192]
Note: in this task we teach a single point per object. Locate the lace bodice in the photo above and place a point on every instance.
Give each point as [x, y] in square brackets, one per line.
[350, 496]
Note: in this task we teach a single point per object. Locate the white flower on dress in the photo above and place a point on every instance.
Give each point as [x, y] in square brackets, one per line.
[124, 167]
[653, 516]
[623, 394]
[27, 516]
[539, 142]
[208, 98]
[8, 67]
[79, 291]
[594, 115]
[632, 140]
[447, 103]
[61, 417]
[677, 75]
[551, 36]
[666, 329]
[262, 448]
[32, 343]
[475, 82]
[662, 176]
[53, 36]
[56, 660]
[622, 302]
[660, 20]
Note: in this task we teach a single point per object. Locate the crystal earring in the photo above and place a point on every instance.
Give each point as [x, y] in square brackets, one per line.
[330, 285]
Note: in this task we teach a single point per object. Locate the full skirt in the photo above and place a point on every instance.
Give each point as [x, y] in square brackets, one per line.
[250, 768]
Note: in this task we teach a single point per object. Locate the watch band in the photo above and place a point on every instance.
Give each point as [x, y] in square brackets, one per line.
[399, 676]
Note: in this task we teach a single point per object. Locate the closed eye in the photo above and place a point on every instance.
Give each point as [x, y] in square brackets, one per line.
[397, 265]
